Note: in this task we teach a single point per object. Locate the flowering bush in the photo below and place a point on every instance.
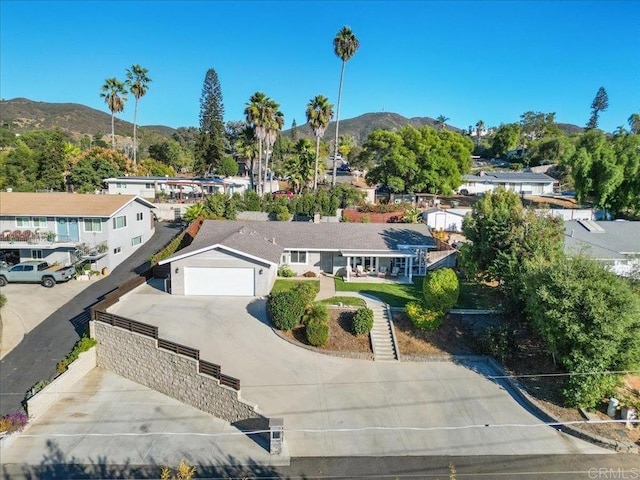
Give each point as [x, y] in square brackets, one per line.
[14, 422]
[422, 318]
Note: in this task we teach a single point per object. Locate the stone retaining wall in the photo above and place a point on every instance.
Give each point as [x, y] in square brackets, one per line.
[138, 359]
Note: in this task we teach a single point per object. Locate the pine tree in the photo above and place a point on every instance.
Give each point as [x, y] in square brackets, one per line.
[294, 131]
[600, 104]
[211, 138]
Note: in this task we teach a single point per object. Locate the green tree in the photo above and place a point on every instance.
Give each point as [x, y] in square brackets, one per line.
[626, 197]
[548, 150]
[345, 46]
[114, 94]
[294, 131]
[52, 164]
[536, 125]
[20, 169]
[600, 104]
[300, 166]
[634, 123]
[504, 139]
[319, 113]
[88, 174]
[479, 131]
[255, 113]
[211, 137]
[228, 167]
[138, 84]
[441, 290]
[154, 168]
[248, 150]
[589, 319]
[440, 123]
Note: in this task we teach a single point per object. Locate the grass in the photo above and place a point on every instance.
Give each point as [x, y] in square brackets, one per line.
[395, 294]
[282, 285]
[346, 301]
[474, 294]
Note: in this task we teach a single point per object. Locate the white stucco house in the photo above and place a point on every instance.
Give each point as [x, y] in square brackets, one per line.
[175, 188]
[241, 258]
[614, 243]
[526, 183]
[66, 228]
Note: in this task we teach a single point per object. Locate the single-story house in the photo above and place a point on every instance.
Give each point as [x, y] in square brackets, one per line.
[526, 183]
[175, 188]
[242, 257]
[449, 220]
[66, 228]
[615, 243]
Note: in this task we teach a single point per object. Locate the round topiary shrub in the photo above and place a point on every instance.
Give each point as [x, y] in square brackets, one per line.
[422, 318]
[362, 321]
[286, 309]
[307, 290]
[317, 332]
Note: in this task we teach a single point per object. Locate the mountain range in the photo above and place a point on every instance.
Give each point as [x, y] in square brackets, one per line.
[21, 115]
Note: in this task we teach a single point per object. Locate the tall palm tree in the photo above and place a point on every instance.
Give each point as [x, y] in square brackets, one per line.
[319, 113]
[138, 84]
[479, 129]
[114, 95]
[246, 148]
[255, 115]
[634, 122]
[441, 122]
[345, 45]
[275, 122]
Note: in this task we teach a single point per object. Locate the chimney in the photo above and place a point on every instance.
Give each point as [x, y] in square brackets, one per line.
[273, 240]
[572, 232]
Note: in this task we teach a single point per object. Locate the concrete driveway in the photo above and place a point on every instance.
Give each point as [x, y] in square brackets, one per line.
[342, 407]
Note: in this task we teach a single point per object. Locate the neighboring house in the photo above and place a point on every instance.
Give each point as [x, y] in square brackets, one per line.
[615, 243]
[175, 188]
[242, 258]
[526, 183]
[65, 228]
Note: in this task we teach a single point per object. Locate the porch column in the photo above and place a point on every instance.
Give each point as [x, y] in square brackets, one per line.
[410, 269]
[348, 268]
[377, 267]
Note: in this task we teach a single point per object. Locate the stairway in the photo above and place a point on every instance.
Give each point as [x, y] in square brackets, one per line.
[384, 348]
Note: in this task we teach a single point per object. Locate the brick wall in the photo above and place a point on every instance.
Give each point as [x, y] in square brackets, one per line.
[138, 359]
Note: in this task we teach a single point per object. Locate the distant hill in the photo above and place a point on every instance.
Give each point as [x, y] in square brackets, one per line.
[23, 115]
[360, 127]
[570, 129]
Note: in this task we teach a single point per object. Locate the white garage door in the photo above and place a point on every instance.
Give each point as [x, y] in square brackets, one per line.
[219, 281]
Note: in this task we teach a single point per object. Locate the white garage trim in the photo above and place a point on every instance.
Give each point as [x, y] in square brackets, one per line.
[237, 282]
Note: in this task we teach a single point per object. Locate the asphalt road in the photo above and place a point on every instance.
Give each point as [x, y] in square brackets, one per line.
[36, 357]
[529, 467]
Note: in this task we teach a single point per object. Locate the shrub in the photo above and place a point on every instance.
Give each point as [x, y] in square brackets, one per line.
[423, 318]
[82, 345]
[365, 219]
[286, 272]
[3, 300]
[283, 214]
[316, 312]
[13, 422]
[309, 274]
[317, 332]
[589, 390]
[307, 290]
[441, 290]
[286, 309]
[499, 342]
[362, 321]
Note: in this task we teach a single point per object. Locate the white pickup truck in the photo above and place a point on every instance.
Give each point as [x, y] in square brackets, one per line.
[36, 271]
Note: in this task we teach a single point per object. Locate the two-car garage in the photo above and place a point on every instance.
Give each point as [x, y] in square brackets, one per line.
[219, 281]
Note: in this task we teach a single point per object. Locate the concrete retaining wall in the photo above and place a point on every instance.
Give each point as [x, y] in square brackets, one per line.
[41, 401]
[138, 359]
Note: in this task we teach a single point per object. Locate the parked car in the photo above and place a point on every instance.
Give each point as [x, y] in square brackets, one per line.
[283, 194]
[36, 271]
[344, 168]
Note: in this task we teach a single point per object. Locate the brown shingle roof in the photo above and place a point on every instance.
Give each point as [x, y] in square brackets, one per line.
[67, 204]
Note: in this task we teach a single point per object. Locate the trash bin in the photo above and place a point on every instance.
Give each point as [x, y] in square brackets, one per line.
[613, 405]
[455, 203]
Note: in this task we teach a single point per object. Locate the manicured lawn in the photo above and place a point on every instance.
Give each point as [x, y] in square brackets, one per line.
[347, 301]
[282, 285]
[395, 294]
[478, 295]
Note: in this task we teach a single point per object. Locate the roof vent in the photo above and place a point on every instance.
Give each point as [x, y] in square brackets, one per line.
[591, 226]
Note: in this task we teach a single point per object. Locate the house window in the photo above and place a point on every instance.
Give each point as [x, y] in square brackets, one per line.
[298, 257]
[119, 222]
[92, 225]
[23, 222]
[148, 186]
[136, 240]
[120, 185]
[117, 250]
[39, 222]
[139, 216]
[36, 254]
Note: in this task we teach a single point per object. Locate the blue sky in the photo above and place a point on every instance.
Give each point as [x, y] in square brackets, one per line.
[469, 61]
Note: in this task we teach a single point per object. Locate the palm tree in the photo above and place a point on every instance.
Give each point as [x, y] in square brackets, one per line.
[634, 123]
[479, 129]
[441, 122]
[275, 122]
[114, 95]
[254, 113]
[246, 148]
[319, 113]
[345, 45]
[138, 84]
